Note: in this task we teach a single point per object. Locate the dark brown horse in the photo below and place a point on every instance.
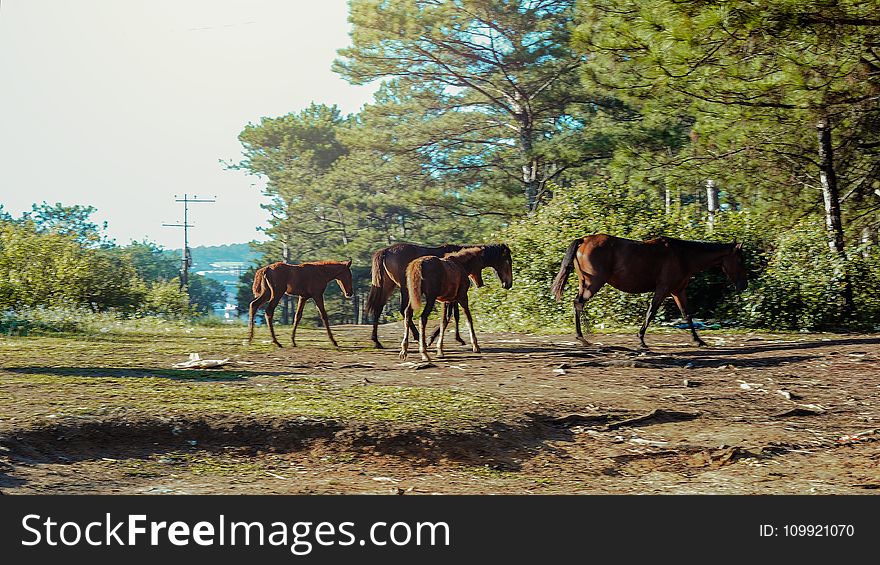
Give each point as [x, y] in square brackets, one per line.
[663, 266]
[389, 272]
[307, 280]
[446, 280]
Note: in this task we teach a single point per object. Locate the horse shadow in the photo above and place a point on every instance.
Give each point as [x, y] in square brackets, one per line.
[128, 372]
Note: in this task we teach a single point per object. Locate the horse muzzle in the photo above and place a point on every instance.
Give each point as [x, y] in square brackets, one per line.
[507, 285]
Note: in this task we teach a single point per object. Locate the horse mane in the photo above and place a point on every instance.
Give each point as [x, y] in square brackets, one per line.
[691, 245]
[319, 263]
[465, 254]
[492, 252]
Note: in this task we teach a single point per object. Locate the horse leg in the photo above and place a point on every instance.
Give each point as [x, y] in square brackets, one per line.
[319, 302]
[681, 301]
[297, 317]
[585, 293]
[470, 322]
[252, 312]
[270, 314]
[446, 315]
[444, 321]
[656, 301]
[404, 345]
[404, 302]
[384, 291]
[455, 314]
[423, 326]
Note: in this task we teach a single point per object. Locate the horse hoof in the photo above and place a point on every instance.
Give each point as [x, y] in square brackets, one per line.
[460, 341]
[402, 355]
[378, 345]
[477, 350]
[584, 342]
[702, 343]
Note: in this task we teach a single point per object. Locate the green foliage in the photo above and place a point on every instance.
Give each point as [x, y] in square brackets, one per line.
[73, 220]
[205, 293]
[802, 285]
[166, 299]
[40, 269]
[539, 243]
[151, 262]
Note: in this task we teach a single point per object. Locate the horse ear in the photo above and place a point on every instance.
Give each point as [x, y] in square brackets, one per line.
[348, 263]
[739, 245]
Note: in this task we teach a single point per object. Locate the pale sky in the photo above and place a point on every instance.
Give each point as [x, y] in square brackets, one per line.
[121, 104]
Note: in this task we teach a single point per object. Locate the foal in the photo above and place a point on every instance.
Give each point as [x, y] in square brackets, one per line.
[446, 280]
[307, 280]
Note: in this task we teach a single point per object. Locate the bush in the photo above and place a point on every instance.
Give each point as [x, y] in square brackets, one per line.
[803, 284]
[166, 299]
[538, 244]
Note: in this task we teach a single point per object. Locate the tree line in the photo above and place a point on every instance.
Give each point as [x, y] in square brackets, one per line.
[55, 256]
[535, 121]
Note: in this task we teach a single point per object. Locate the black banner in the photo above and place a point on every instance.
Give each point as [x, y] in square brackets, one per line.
[407, 529]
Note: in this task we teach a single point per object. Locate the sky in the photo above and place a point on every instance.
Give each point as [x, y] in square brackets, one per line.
[126, 104]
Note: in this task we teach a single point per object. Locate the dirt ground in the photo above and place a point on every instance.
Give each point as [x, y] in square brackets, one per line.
[750, 414]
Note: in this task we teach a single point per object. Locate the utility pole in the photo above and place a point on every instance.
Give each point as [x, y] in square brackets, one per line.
[186, 257]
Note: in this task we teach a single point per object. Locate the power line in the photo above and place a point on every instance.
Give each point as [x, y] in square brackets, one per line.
[186, 257]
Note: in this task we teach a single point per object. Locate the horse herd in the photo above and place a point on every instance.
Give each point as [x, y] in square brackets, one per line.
[427, 275]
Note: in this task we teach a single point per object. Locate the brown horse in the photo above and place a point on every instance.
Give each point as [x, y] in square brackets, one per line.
[307, 280]
[663, 266]
[446, 280]
[389, 272]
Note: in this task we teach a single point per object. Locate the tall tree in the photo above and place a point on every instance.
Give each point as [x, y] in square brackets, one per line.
[68, 220]
[496, 78]
[793, 83]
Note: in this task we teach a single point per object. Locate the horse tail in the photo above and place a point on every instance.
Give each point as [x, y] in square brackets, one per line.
[565, 268]
[259, 281]
[414, 284]
[377, 285]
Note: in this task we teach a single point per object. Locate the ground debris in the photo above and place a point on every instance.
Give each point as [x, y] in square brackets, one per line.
[417, 365]
[581, 419]
[801, 410]
[656, 416]
[717, 458]
[631, 363]
[369, 365]
[196, 362]
[788, 395]
[867, 435]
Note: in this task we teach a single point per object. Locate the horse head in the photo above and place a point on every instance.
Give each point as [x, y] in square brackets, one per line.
[344, 279]
[734, 267]
[503, 265]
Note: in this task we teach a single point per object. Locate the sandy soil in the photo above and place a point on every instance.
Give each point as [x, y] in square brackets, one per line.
[751, 413]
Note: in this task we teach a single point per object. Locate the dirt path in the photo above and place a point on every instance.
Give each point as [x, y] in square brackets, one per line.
[752, 413]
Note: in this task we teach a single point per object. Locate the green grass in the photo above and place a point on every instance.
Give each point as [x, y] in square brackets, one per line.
[125, 374]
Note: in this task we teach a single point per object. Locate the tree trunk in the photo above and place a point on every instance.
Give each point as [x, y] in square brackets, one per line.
[285, 301]
[831, 197]
[529, 167]
[711, 202]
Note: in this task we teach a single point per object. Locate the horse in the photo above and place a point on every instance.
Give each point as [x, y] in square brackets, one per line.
[389, 272]
[446, 279]
[663, 265]
[306, 280]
